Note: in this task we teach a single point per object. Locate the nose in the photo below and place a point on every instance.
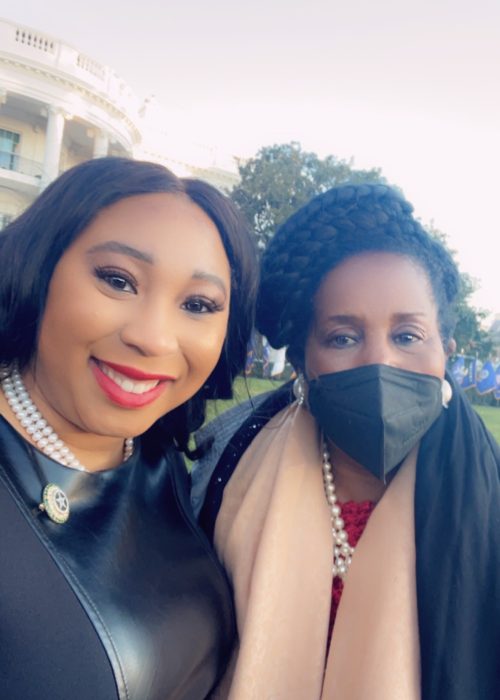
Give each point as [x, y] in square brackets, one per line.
[379, 351]
[153, 330]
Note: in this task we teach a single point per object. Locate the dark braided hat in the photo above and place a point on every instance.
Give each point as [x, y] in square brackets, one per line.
[332, 227]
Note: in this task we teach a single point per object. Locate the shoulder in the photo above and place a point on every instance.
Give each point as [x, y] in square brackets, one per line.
[458, 462]
[231, 433]
[223, 467]
[216, 435]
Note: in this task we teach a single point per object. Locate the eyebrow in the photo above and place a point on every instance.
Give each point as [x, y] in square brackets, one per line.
[402, 316]
[208, 277]
[117, 247]
[343, 318]
[408, 315]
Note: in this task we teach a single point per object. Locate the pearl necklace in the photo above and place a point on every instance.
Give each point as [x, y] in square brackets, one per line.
[342, 550]
[40, 432]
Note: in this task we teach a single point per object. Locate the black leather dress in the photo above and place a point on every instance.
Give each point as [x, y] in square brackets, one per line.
[125, 600]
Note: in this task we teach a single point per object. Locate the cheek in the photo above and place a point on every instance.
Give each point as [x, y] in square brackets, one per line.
[69, 310]
[316, 360]
[205, 345]
[74, 323]
[439, 366]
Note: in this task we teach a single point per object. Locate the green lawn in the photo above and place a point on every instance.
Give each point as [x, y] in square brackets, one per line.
[244, 388]
[491, 416]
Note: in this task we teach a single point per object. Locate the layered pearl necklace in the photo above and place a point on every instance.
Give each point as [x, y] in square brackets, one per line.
[40, 432]
[342, 550]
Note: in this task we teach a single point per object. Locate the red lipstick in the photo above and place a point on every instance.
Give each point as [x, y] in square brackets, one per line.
[134, 373]
[122, 398]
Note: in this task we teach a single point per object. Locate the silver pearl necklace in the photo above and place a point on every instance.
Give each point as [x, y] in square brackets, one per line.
[55, 502]
[342, 550]
[40, 432]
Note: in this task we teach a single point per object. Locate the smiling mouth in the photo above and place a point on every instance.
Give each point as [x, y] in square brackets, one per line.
[126, 391]
[132, 386]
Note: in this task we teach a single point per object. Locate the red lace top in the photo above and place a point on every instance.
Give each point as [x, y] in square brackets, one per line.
[355, 516]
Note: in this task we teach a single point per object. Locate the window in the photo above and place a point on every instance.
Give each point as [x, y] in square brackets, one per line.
[9, 142]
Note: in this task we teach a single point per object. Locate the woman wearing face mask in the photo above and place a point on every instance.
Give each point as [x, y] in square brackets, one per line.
[125, 303]
[360, 522]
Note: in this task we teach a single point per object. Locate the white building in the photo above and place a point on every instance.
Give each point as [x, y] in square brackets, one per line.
[59, 107]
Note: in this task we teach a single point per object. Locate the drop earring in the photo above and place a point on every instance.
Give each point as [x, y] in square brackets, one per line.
[446, 393]
[299, 389]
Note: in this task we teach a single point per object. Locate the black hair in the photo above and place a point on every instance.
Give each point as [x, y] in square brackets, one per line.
[32, 245]
[336, 225]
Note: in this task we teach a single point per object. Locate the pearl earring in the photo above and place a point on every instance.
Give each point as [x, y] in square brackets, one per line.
[446, 392]
[299, 389]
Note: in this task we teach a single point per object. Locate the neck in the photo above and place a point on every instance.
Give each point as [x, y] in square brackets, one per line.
[95, 452]
[352, 481]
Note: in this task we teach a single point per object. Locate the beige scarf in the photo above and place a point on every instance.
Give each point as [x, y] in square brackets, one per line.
[273, 535]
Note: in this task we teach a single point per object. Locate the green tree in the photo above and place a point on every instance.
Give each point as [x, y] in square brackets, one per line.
[470, 336]
[283, 177]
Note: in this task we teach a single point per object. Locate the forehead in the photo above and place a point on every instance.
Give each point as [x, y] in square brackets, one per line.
[134, 215]
[375, 283]
[165, 227]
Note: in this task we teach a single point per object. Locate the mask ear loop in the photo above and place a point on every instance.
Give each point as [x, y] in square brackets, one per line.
[446, 393]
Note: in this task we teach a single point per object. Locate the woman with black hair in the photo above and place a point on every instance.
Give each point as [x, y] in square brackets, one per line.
[359, 520]
[125, 303]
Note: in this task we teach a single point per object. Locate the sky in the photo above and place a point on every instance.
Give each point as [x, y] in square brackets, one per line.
[410, 87]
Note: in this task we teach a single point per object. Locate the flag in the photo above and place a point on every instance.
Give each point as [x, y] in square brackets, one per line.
[469, 379]
[250, 355]
[485, 379]
[463, 370]
[497, 387]
[458, 369]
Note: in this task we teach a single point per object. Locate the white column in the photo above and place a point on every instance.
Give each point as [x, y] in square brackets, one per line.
[101, 144]
[53, 144]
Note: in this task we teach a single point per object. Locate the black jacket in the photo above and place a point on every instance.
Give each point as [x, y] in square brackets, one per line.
[125, 600]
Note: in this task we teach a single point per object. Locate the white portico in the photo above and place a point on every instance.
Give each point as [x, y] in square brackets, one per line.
[58, 107]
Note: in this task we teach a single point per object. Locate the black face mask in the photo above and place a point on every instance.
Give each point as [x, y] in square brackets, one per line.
[376, 414]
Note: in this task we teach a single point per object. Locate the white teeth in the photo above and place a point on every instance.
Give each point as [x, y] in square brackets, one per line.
[131, 385]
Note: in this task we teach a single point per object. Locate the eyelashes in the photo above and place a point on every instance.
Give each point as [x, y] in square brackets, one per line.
[202, 305]
[341, 340]
[118, 280]
[346, 340]
[122, 282]
[408, 338]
